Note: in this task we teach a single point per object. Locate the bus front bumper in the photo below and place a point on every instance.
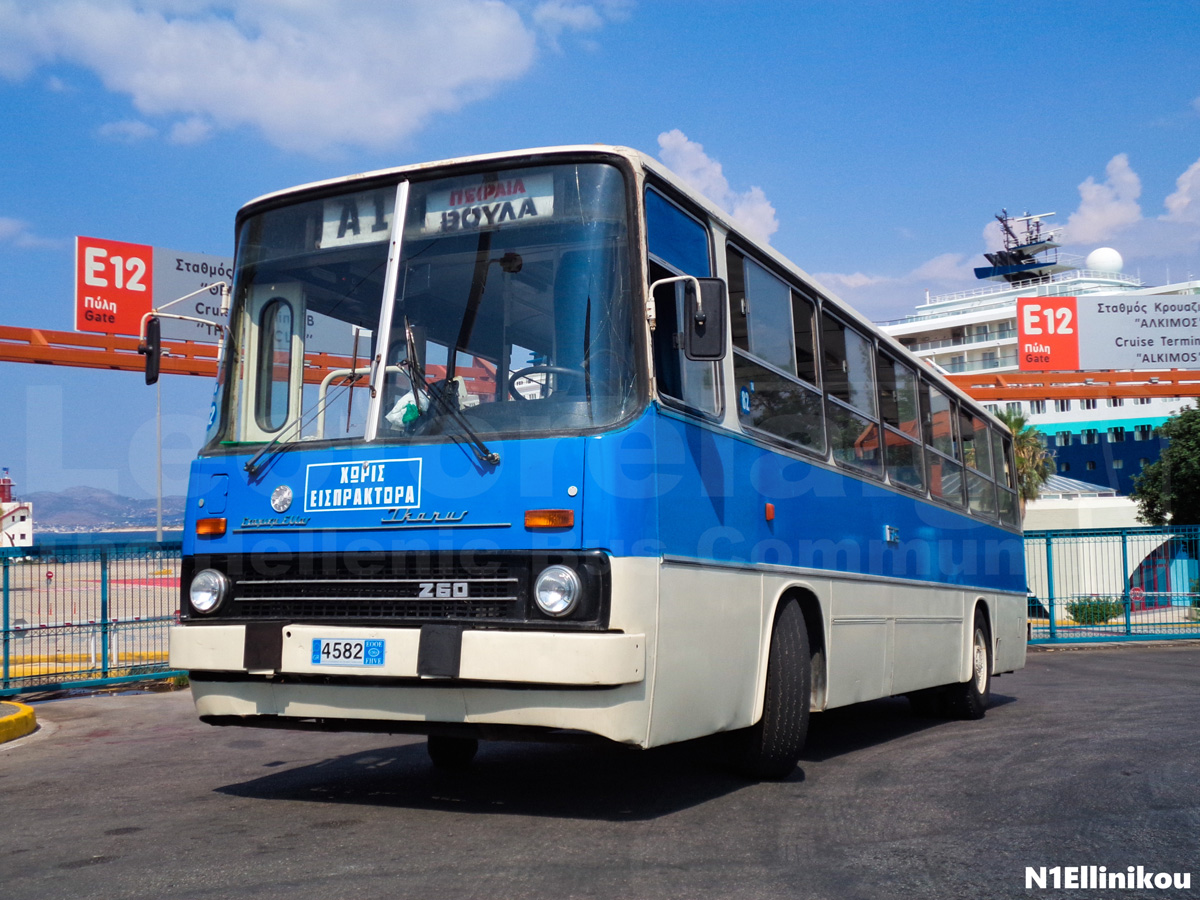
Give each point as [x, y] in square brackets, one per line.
[516, 657]
[509, 678]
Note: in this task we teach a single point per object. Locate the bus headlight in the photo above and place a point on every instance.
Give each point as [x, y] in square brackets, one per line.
[209, 588]
[557, 591]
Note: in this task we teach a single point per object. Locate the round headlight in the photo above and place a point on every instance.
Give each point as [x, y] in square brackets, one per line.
[208, 589]
[557, 590]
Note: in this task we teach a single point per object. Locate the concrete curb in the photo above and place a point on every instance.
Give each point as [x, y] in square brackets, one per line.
[16, 720]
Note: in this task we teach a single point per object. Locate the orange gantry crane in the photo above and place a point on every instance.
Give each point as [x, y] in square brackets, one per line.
[102, 351]
[1001, 386]
[105, 351]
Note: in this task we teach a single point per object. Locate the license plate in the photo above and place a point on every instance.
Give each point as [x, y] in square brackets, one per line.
[347, 652]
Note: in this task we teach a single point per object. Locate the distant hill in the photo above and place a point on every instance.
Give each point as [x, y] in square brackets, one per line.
[95, 509]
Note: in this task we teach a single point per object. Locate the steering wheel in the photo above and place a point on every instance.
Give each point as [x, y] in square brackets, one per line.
[532, 370]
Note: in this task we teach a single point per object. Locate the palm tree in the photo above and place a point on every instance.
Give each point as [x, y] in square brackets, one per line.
[1035, 464]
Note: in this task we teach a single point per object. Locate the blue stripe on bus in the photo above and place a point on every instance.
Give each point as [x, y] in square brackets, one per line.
[666, 485]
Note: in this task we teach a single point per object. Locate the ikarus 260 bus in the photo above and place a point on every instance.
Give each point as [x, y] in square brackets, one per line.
[542, 442]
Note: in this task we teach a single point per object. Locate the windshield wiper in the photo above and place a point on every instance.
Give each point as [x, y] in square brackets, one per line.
[441, 396]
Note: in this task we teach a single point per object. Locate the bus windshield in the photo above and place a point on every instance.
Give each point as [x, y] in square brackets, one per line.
[508, 313]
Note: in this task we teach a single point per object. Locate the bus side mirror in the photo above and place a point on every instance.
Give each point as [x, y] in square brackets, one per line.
[151, 347]
[704, 319]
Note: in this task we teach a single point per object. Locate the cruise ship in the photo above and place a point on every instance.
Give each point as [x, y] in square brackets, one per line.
[1103, 441]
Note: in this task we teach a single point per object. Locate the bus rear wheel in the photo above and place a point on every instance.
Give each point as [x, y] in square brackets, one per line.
[969, 700]
[452, 754]
[771, 748]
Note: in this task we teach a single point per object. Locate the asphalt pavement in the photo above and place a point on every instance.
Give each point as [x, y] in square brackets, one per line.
[1087, 757]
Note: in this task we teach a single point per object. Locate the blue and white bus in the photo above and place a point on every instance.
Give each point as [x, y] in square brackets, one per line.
[541, 442]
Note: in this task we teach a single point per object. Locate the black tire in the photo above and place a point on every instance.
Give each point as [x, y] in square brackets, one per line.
[453, 754]
[969, 700]
[771, 748]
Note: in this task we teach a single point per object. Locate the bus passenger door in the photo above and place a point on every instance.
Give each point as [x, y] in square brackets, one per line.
[273, 365]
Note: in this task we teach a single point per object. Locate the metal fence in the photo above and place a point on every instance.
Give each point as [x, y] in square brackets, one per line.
[1113, 584]
[83, 615]
[79, 614]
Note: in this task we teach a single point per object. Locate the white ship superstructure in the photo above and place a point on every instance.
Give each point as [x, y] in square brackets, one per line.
[16, 517]
[976, 331]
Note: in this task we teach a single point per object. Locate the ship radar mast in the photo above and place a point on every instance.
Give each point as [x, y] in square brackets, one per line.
[1032, 256]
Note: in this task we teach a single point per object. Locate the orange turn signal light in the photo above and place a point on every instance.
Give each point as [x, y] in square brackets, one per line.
[549, 518]
[210, 528]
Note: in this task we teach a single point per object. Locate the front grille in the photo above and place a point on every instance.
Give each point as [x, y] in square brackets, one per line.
[457, 587]
[376, 586]
[374, 609]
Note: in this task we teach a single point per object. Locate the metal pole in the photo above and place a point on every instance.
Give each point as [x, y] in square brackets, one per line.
[1050, 582]
[5, 622]
[1125, 598]
[104, 613]
[158, 445]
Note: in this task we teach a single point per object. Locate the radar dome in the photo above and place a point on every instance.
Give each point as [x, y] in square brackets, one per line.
[1104, 259]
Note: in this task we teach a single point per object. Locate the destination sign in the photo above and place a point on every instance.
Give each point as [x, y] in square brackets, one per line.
[380, 484]
[358, 218]
[1063, 334]
[472, 204]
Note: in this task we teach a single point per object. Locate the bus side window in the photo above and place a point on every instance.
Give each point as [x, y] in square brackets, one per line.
[977, 453]
[1005, 477]
[770, 396]
[678, 245]
[850, 404]
[900, 411]
[944, 469]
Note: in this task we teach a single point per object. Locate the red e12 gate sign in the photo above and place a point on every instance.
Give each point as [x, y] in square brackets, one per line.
[113, 285]
[1047, 334]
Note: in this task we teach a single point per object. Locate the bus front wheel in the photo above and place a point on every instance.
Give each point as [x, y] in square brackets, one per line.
[771, 748]
[969, 700]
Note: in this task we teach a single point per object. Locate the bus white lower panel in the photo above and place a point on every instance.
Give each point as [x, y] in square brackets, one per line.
[526, 657]
[619, 714]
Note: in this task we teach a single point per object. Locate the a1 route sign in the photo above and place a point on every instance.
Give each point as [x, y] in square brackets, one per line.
[113, 285]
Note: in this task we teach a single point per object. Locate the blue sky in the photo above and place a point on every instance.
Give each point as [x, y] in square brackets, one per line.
[873, 141]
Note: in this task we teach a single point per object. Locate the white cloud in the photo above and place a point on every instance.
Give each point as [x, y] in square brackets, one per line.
[949, 268]
[555, 16]
[310, 75]
[191, 131]
[688, 160]
[891, 296]
[1108, 208]
[854, 280]
[16, 233]
[10, 229]
[1184, 204]
[127, 131]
